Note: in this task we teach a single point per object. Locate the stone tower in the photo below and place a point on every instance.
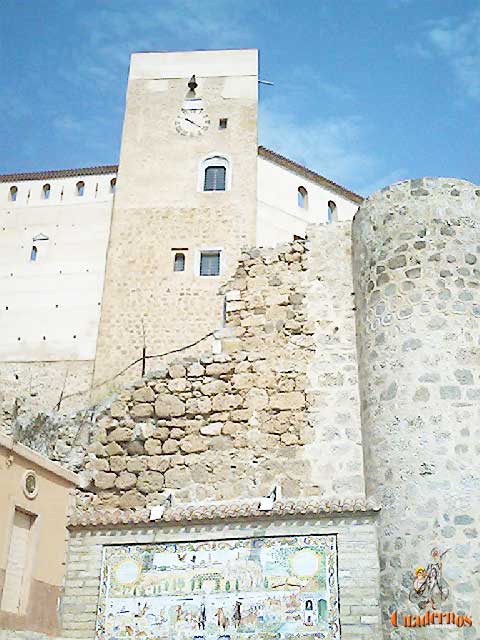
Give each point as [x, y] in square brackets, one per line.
[417, 274]
[185, 202]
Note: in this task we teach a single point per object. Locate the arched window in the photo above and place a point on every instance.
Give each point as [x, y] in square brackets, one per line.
[33, 254]
[13, 193]
[46, 191]
[179, 262]
[215, 174]
[332, 211]
[113, 185]
[302, 198]
[80, 188]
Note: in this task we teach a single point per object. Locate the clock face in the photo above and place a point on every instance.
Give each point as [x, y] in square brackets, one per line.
[192, 123]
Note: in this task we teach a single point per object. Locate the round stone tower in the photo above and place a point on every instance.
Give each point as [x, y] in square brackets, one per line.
[416, 262]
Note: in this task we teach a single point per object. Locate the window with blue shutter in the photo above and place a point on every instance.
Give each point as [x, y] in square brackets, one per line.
[215, 178]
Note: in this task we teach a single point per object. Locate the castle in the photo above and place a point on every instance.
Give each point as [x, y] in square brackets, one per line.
[279, 371]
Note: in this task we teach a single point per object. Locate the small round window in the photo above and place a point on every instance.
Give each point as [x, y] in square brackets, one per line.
[30, 485]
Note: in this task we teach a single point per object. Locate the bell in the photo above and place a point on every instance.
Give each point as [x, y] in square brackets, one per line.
[192, 83]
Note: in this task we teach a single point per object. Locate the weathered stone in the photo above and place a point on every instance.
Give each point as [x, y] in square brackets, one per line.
[214, 387]
[168, 406]
[177, 385]
[217, 369]
[227, 401]
[161, 433]
[153, 446]
[290, 400]
[194, 444]
[118, 463]
[198, 406]
[464, 376]
[256, 399]
[113, 449]
[170, 446]
[141, 410]
[99, 464]
[178, 477]
[118, 409]
[158, 463]
[397, 262]
[149, 481]
[195, 370]
[121, 434]
[137, 464]
[131, 500]
[177, 371]
[126, 480]
[104, 480]
[144, 394]
[288, 438]
[97, 449]
[212, 429]
[135, 448]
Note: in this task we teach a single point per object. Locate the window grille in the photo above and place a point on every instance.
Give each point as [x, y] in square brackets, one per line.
[210, 263]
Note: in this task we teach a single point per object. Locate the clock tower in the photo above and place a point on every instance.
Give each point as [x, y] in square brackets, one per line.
[185, 204]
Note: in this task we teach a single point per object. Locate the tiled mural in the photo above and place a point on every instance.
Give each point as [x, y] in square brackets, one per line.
[263, 588]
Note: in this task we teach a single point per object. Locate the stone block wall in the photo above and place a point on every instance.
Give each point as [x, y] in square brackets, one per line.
[417, 284]
[278, 405]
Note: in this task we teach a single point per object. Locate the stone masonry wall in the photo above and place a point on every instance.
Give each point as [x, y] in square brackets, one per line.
[278, 406]
[417, 283]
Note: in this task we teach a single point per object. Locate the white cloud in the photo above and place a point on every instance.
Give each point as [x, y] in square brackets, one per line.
[458, 43]
[332, 146]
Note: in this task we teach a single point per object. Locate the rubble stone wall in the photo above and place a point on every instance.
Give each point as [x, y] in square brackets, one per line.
[278, 405]
[417, 280]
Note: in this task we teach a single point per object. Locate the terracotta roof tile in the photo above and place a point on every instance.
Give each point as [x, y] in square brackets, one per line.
[113, 168]
[221, 511]
[308, 173]
[59, 173]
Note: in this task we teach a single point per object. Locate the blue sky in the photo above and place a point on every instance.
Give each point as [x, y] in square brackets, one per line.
[366, 92]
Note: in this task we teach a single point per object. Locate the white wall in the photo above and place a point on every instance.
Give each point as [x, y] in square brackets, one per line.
[279, 217]
[57, 296]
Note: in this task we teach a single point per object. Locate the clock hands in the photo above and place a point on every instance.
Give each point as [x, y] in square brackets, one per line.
[196, 124]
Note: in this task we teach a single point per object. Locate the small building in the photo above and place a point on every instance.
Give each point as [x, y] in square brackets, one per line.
[35, 498]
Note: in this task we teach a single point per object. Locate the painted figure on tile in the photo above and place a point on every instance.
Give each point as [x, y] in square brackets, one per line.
[308, 616]
[237, 614]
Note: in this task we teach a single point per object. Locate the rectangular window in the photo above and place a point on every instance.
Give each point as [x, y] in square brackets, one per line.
[215, 179]
[16, 575]
[210, 263]
[222, 124]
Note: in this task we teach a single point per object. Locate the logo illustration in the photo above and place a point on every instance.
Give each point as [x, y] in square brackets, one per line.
[429, 590]
[429, 586]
